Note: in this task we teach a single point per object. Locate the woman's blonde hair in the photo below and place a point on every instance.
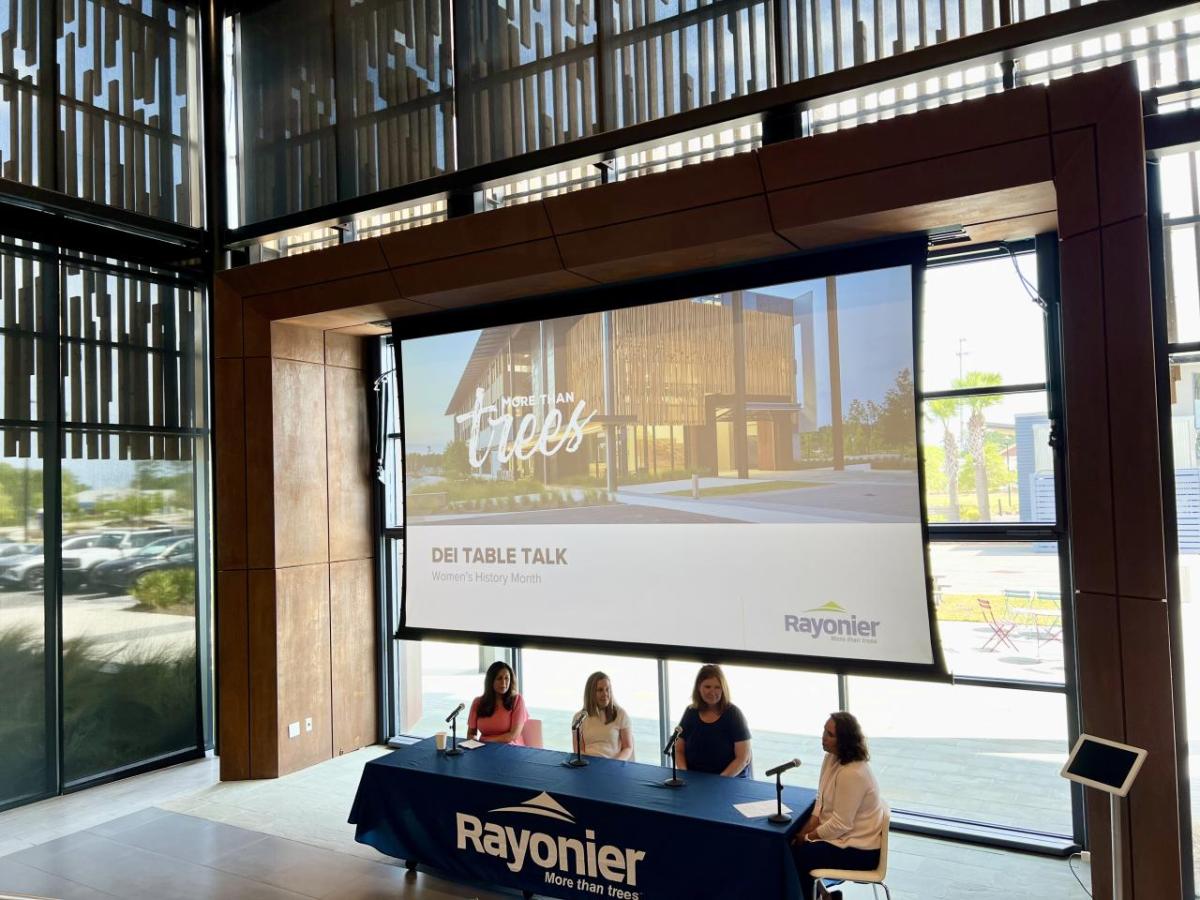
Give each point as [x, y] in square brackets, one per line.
[589, 698]
[706, 672]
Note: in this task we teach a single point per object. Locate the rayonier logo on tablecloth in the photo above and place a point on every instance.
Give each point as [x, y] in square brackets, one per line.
[833, 621]
[570, 862]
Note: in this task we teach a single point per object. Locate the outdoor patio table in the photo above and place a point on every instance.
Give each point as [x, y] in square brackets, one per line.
[1052, 628]
[517, 817]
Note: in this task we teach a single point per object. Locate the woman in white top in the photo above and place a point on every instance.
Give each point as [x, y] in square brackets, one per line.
[843, 831]
[606, 730]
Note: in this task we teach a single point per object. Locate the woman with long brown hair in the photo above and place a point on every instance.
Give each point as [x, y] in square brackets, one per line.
[605, 730]
[713, 736]
[844, 830]
[499, 715]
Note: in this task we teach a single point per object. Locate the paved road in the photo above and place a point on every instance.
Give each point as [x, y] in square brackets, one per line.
[610, 514]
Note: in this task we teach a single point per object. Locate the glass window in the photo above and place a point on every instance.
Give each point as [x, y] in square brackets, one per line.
[978, 319]
[999, 609]
[286, 102]
[20, 36]
[24, 753]
[529, 79]
[785, 710]
[435, 677]
[958, 751]
[129, 620]
[129, 354]
[553, 682]
[1185, 434]
[988, 458]
[662, 58]
[1179, 189]
[394, 69]
[128, 116]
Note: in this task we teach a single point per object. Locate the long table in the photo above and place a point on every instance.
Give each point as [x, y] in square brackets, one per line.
[518, 817]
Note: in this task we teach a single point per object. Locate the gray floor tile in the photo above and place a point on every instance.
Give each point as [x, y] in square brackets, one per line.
[298, 867]
[21, 879]
[133, 873]
[115, 826]
[187, 838]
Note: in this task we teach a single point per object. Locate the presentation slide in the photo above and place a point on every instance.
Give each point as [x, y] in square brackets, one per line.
[736, 471]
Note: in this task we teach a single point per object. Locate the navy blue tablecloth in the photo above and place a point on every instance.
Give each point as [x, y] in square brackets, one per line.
[517, 817]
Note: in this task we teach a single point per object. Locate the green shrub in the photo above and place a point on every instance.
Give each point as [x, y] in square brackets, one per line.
[116, 711]
[165, 590]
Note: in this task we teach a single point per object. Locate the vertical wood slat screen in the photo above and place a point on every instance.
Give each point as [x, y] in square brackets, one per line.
[288, 108]
[821, 36]
[20, 79]
[395, 57]
[668, 56]
[128, 356]
[526, 76]
[23, 349]
[126, 103]
[127, 108]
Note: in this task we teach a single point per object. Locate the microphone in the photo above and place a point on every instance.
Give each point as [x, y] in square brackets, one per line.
[578, 720]
[782, 767]
[457, 710]
[674, 737]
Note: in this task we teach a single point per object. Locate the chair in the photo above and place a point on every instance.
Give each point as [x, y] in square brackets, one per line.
[1053, 629]
[531, 734]
[1002, 628]
[873, 878]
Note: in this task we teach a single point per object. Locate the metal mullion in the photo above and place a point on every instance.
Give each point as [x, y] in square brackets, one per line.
[52, 448]
[123, 120]
[1031, 388]
[949, 532]
[708, 13]
[114, 345]
[116, 428]
[1178, 650]
[1010, 684]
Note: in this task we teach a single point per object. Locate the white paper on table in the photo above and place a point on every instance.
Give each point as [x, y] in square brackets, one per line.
[469, 744]
[757, 808]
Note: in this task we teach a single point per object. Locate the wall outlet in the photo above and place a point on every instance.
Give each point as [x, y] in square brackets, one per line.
[308, 724]
[1086, 857]
[293, 729]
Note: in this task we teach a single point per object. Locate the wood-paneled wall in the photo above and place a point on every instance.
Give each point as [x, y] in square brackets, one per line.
[1068, 156]
[296, 599]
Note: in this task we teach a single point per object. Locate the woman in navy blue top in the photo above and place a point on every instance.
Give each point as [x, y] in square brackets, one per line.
[714, 735]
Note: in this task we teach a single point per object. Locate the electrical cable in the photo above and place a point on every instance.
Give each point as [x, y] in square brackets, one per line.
[1071, 866]
[1025, 283]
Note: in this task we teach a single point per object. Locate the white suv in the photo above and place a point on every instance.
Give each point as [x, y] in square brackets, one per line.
[78, 562]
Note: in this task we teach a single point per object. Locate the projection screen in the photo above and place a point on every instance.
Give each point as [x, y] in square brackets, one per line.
[736, 473]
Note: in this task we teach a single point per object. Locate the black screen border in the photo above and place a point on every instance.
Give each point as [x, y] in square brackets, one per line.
[910, 250]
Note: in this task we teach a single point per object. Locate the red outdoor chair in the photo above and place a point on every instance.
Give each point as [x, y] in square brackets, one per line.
[1002, 628]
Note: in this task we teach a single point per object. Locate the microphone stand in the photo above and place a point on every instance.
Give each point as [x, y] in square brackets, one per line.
[779, 817]
[669, 750]
[454, 749]
[578, 762]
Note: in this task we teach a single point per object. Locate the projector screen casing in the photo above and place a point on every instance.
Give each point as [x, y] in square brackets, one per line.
[796, 268]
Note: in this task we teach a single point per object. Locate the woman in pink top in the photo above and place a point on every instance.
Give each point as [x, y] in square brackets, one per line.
[499, 715]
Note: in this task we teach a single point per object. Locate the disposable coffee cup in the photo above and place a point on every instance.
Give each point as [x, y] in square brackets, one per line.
[440, 738]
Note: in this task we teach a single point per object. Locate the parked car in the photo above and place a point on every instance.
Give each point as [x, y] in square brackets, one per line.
[78, 562]
[118, 575]
[28, 569]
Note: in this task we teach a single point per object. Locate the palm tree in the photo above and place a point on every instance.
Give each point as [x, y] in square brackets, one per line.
[944, 410]
[977, 432]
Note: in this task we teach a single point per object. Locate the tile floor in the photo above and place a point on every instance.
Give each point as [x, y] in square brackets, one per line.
[179, 833]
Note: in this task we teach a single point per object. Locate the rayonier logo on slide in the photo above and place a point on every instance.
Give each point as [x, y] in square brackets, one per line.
[833, 621]
[570, 862]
